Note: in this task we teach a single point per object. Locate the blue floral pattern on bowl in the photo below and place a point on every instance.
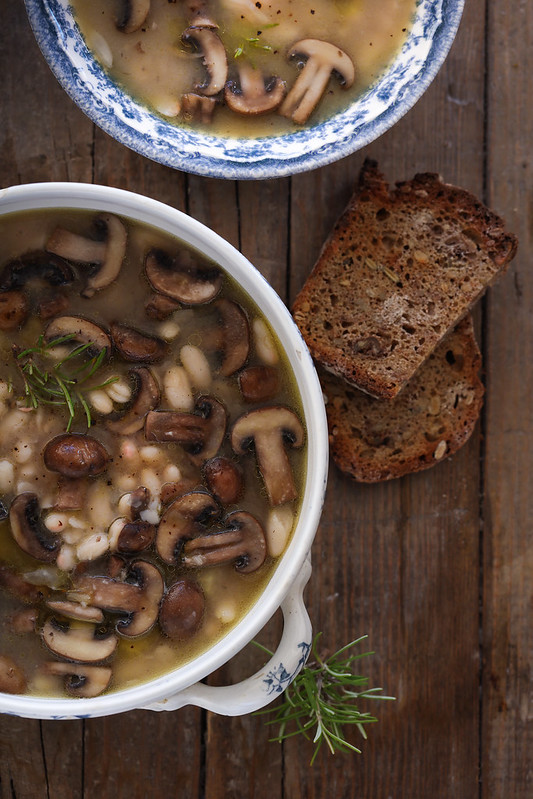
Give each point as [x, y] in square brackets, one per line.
[137, 127]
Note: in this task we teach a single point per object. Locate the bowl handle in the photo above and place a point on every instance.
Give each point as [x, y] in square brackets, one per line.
[270, 681]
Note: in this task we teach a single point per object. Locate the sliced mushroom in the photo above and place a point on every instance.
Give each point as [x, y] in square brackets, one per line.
[253, 94]
[151, 586]
[182, 610]
[29, 531]
[81, 680]
[108, 251]
[183, 519]
[267, 430]
[259, 383]
[74, 610]
[200, 433]
[52, 305]
[321, 60]
[75, 455]
[35, 265]
[209, 44]
[18, 587]
[197, 108]
[224, 479]
[12, 679]
[132, 15]
[85, 643]
[132, 345]
[186, 282]
[242, 542]
[14, 309]
[83, 331]
[230, 337]
[106, 593]
[146, 397]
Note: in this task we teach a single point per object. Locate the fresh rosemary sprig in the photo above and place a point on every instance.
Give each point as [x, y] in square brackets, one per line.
[324, 697]
[62, 383]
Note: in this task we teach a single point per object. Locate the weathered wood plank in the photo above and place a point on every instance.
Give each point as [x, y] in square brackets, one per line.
[507, 734]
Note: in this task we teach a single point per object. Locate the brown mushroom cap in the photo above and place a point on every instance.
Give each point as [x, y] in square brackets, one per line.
[209, 44]
[197, 108]
[29, 531]
[259, 383]
[252, 94]
[146, 397]
[135, 536]
[133, 345]
[267, 429]
[81, 680]
[321, 60]
[242, 542]
[182, 609]
[182, 520]
[181, 280]
[224, 479]
[231, 336]
[75, 455]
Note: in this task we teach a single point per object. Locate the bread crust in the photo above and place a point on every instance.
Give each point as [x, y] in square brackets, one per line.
[399, 270]
[373, 440]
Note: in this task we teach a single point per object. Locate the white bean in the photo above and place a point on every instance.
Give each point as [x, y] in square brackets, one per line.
[150, 479]
[150, 454]
[167, 106]
[169, 330]
[92, 547]
[23, 486]
[126, 482]
[7, 475]
[278, 529]
[115, 529]
[79, 524]
[66, 559]
[177, 389]
[101, 401]
[102, 49]
[172, 473]
[22, 452]
[56, 522]
[226, 611]
[129, 452]
[72, 536]
[119, 391]
[150, 515]
[197, 366]
[265, 346]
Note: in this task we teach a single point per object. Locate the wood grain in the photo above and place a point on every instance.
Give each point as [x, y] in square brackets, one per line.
[436, 568]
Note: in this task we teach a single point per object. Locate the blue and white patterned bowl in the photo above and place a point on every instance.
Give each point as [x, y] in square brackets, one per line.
[137, 127]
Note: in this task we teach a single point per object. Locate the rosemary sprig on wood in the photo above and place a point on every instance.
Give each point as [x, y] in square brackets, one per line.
[324, 697]
[64, 382]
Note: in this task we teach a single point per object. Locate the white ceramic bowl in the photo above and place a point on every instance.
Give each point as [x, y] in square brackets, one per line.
[137, 127]
[181, 686]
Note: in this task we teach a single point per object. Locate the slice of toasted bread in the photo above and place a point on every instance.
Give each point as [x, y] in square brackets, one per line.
[399, 270]
[375, 439]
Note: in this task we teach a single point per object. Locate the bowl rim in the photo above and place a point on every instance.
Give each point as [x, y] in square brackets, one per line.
[153, 212]
[245, 159]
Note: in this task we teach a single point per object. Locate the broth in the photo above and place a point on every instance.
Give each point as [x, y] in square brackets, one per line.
[157, 518]
[154, 64]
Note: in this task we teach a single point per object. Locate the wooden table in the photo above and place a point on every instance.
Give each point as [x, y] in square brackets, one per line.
[436, 568]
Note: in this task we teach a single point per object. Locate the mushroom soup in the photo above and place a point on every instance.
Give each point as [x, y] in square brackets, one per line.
[151, 455]
[244, 68]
